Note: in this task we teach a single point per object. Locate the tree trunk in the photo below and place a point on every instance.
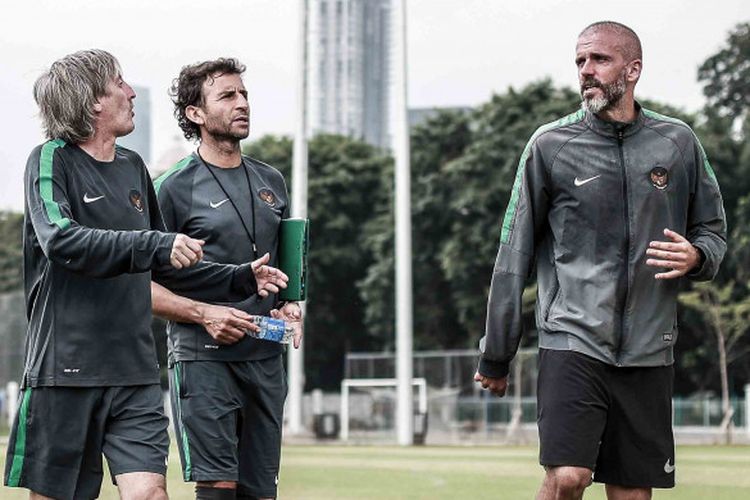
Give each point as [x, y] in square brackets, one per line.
[728, 412]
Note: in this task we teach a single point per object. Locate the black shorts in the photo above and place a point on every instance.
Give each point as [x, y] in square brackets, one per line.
[60, 433]
[615, 421]
[228, 418]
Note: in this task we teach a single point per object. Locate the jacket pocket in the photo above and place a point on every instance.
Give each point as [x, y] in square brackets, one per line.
[553, 295]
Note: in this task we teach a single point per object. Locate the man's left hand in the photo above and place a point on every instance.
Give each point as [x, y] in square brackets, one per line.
[678, 255]
[269, 279]
[291, 313]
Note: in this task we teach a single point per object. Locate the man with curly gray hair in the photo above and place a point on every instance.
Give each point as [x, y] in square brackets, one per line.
[93, 240]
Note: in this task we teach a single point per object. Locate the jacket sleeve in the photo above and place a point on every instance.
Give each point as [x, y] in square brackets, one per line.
[525, 218]
[208, 281]
[706, 225]
[99, 253]
[205, 280]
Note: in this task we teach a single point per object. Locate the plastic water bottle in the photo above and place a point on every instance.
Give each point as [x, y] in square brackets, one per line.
[272, 329]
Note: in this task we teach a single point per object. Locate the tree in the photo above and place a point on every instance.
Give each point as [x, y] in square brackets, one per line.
[725, 132]
[346, 183]
[728, 318]
[481, 181]
[434, 145]
[726, 75]
[11, 251]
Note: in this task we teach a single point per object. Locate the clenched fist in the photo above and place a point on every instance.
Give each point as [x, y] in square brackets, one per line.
[186, 251]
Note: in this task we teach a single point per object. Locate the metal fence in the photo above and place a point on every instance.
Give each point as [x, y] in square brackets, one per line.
[456, 419]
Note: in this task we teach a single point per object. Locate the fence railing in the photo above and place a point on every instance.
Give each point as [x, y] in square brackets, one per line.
[703, 412]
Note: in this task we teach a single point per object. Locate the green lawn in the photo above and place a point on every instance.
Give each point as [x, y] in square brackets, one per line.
[378, 472]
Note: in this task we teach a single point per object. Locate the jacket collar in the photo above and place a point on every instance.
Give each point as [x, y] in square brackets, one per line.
[612, 129]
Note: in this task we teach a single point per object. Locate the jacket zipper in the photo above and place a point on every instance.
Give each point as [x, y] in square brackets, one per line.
[627, 245]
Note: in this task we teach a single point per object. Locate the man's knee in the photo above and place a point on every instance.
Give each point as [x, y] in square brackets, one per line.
[615, 492]
[142, 486]
[37, 496]
[150, 492]
[569, 481]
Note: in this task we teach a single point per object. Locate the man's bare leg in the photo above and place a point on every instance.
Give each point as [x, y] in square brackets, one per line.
[142, 486]
[37, 496]
[564, 483]
[622, 493]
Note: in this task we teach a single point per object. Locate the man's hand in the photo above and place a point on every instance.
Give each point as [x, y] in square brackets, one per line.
[496, 386]
[269, 279]
[226, 325]
[291, 313]
[186, 251]
[678, 255]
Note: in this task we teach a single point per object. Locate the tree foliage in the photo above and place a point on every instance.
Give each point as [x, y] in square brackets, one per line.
[346, 183]
[726, 75]
[11, 251]
[434, 146]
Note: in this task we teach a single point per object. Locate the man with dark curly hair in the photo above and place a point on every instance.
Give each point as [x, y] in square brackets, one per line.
[227, 388]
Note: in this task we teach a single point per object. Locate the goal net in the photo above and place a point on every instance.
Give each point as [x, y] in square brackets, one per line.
[368, 408]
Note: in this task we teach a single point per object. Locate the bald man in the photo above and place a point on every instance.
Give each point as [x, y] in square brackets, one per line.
[615, 205]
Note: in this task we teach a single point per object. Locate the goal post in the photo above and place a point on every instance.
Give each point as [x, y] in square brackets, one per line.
[348, 384]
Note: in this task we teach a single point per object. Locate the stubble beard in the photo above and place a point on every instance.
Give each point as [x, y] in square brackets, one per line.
[612, 94]
[224, 133]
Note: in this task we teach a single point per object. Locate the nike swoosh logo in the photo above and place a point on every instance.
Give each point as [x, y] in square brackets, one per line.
[668, 468]
[579, 182]
[218, 203]
[89, 199]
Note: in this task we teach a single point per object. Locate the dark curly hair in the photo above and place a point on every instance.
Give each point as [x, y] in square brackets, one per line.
[186, 89]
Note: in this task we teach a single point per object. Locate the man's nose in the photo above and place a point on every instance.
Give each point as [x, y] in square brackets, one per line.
[586, 69]
[242, 103]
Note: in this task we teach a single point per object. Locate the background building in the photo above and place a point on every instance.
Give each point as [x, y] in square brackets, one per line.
[348, 68]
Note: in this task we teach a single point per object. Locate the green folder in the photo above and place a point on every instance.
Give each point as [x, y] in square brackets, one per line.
[293, 242]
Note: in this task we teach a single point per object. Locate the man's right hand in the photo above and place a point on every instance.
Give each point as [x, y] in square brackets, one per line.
[496, 386]
[226, 325]
[186, 251]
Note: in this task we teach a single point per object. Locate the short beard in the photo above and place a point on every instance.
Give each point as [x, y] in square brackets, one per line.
[613, 92]
[224, 133]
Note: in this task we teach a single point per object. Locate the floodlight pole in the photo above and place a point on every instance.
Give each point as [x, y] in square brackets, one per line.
[299, 209]
[404, 301]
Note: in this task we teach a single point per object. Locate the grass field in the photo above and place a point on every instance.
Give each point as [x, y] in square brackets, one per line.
[379, 472]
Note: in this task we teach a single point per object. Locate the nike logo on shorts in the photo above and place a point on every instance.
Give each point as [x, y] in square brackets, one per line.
[218, 203]
[668, 468]
[90, 199]
[578, 182]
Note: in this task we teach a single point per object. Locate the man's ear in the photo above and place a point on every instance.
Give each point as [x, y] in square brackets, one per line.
[97, 107]
[634, 70]
[195, 115]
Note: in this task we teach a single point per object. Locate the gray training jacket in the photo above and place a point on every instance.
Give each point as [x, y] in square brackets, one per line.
[588, 197]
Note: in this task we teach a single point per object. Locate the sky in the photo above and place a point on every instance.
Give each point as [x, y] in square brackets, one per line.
[459, 52]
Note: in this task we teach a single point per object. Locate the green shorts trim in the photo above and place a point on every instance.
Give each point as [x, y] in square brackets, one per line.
[187, 470]
[19, 450]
